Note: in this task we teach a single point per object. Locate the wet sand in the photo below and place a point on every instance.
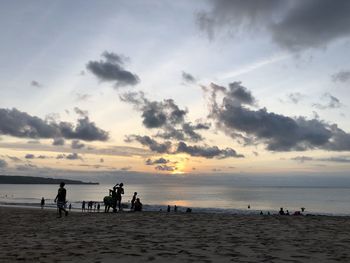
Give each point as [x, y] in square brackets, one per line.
[34, 235]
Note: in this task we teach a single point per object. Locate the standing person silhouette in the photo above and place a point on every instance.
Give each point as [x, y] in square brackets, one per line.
[61, 200]
[120, 192]
[42, 203]
[83, 206]
[133, 201]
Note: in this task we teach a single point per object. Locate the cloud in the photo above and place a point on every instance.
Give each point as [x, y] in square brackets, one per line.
[71, 156]
[157, 161]
[81, 113]
[20, 124]
[127, 168]
[76, 144]
[3, 164]
[152, 144]
[84, 130]
[82, 96]
[29, 156]
[36, 84]
[332, 102]
[295, 97]
[165, 167]
[341, 76]
[337, 159]
[166, 116]
[207, 151]
[188, 78]
[111, 68]
[58, 141]
[293, 25]
[278, 132]
[14, 159]
[26, 167]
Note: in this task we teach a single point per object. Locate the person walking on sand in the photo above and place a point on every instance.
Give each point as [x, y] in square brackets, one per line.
[133, 201]
[61, 200]
[42, 203]
[83, 206]
[120, 192]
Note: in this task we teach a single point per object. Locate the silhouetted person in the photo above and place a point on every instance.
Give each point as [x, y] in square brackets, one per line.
[281, 212]
[188, 210]
[287, 213]
[268, 213]
[61, 199]
[83, 206]
[133, 200]
[175, 208]
[95, 205]
[248, 206]
[70, 207]
[120, 192]
[42, 203]
[138, 205]
[113, 194]
[168, 209]
[98, 207]
[302, 209]
[261, 213]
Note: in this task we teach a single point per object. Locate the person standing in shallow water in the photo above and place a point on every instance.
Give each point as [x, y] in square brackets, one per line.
[61, 200]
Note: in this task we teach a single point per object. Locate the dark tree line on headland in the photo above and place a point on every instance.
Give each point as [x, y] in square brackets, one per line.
[14, 179]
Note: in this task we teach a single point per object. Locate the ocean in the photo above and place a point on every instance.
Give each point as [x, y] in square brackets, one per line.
[228, 199]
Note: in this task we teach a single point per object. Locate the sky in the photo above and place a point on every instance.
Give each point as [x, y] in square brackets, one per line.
[175, 87]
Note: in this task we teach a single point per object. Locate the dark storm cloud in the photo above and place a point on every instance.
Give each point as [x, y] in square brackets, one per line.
[331, 102]
[165, 116]
[20, 124]
[278, 132]
[157, 161]
[3, 163]
[293, 25]
[207, 151]
[76, 144]
[188, 78]
[58, 141]
[341, 76]
[152, 144]
[29, 156]
[111, 68]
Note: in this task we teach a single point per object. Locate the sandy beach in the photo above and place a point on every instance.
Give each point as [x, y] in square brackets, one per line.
[34, 235]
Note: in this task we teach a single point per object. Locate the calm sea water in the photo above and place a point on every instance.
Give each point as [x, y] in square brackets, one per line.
[200, 198]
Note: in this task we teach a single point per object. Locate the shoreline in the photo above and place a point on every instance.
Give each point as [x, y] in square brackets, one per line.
[33, 235]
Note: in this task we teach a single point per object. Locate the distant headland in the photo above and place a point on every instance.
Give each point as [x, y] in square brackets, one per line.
[14, 179]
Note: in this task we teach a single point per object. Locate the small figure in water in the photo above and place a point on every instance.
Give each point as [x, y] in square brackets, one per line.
[70, 207]
[168, 209]
[175, 208]
[61, 200]
[188, 210]
[120, 192]
[133, 200]
[287, 213]
[281, 212]
[302, 209]
[248, 206]
[98, 207]
[83, 206]
[42, 203]
[261, 213]
[138, 205]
